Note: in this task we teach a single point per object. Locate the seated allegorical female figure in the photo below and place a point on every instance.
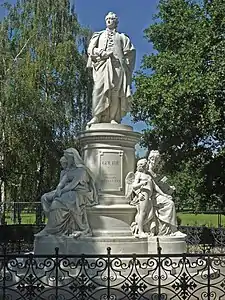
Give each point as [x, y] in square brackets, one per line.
[65, 207]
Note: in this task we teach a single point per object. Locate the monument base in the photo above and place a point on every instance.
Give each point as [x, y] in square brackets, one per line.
[45, 245]
[98, 245]
[168, 244]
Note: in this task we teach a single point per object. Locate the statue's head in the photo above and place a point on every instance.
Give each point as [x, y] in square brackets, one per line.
[111, 20]
[153, 158]
[63, 162]
[142, 164]
[73, 157]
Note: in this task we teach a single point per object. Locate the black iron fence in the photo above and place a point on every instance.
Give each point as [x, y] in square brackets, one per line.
[112, 277]
[22, 213]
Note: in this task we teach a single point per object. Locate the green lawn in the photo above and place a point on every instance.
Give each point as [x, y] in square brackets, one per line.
[26, 218]
[200, 219]
[186, 219]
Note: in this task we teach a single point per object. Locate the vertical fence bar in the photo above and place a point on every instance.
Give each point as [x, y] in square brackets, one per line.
[56, 273]
[14, 212]
[208, 276]
[3, 218]
[19, 206]
[4, 271]
[108, 272]
[159, 249]
[38, 213]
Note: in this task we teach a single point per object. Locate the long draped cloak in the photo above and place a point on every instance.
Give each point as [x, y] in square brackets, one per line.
[111, 74]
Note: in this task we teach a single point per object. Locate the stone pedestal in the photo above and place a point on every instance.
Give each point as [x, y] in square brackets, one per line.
[109, 152]
[111, 220]
[168, 244]
[89, 245]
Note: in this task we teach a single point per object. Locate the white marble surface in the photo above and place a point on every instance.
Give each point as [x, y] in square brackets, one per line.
[90, 245]
[111, 219]
[65, 207]
[109, 152]
[168, 244]
[111, 56]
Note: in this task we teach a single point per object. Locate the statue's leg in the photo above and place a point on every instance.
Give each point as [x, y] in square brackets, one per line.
[46, 201]
[115, 108]
[166, 215]
[143, 209]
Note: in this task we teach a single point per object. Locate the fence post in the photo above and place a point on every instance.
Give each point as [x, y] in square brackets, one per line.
[4, 270]
[208, 276]
[56, 272]
[159, 250]
[108, 272]
[14, 212]
[38, 210]
[19, 209]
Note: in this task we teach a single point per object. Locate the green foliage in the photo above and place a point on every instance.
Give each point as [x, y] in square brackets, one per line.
[45, 93]
[183, 97]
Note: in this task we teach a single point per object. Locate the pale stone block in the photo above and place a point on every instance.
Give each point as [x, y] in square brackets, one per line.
[168, 244]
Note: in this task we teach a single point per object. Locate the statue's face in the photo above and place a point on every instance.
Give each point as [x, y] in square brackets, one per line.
[111, 22]
[69, 159]
[153, 161]
[63, 162]
[142, 166]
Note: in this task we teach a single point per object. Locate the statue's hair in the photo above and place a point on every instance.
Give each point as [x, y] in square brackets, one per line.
[113, 15]
[154, 153]
[63, 158]
[141, 162]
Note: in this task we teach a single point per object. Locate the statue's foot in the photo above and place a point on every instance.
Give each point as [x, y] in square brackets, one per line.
[178, 233]
[142, 235]
[114, 122]
[151, 234]
[75, 234]
[93, 121]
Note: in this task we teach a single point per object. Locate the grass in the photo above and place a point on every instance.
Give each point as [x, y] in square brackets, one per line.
[25, 218]
[210, 220]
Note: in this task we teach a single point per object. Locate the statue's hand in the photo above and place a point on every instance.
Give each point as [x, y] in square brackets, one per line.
[110, 53]
[169, 197]
[97, 51]
[173, 187]
[105, 54]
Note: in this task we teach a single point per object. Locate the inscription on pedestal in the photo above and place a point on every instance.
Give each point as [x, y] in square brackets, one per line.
[111, 171]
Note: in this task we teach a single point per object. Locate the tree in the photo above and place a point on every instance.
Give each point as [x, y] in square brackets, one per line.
[183, 97]
[45, 93]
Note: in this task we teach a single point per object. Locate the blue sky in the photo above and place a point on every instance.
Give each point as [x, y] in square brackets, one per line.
[134, 17]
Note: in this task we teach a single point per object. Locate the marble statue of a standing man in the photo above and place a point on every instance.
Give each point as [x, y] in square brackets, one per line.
[112, 57]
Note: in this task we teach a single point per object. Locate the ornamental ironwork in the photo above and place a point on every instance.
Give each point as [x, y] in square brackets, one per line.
[112, 277]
